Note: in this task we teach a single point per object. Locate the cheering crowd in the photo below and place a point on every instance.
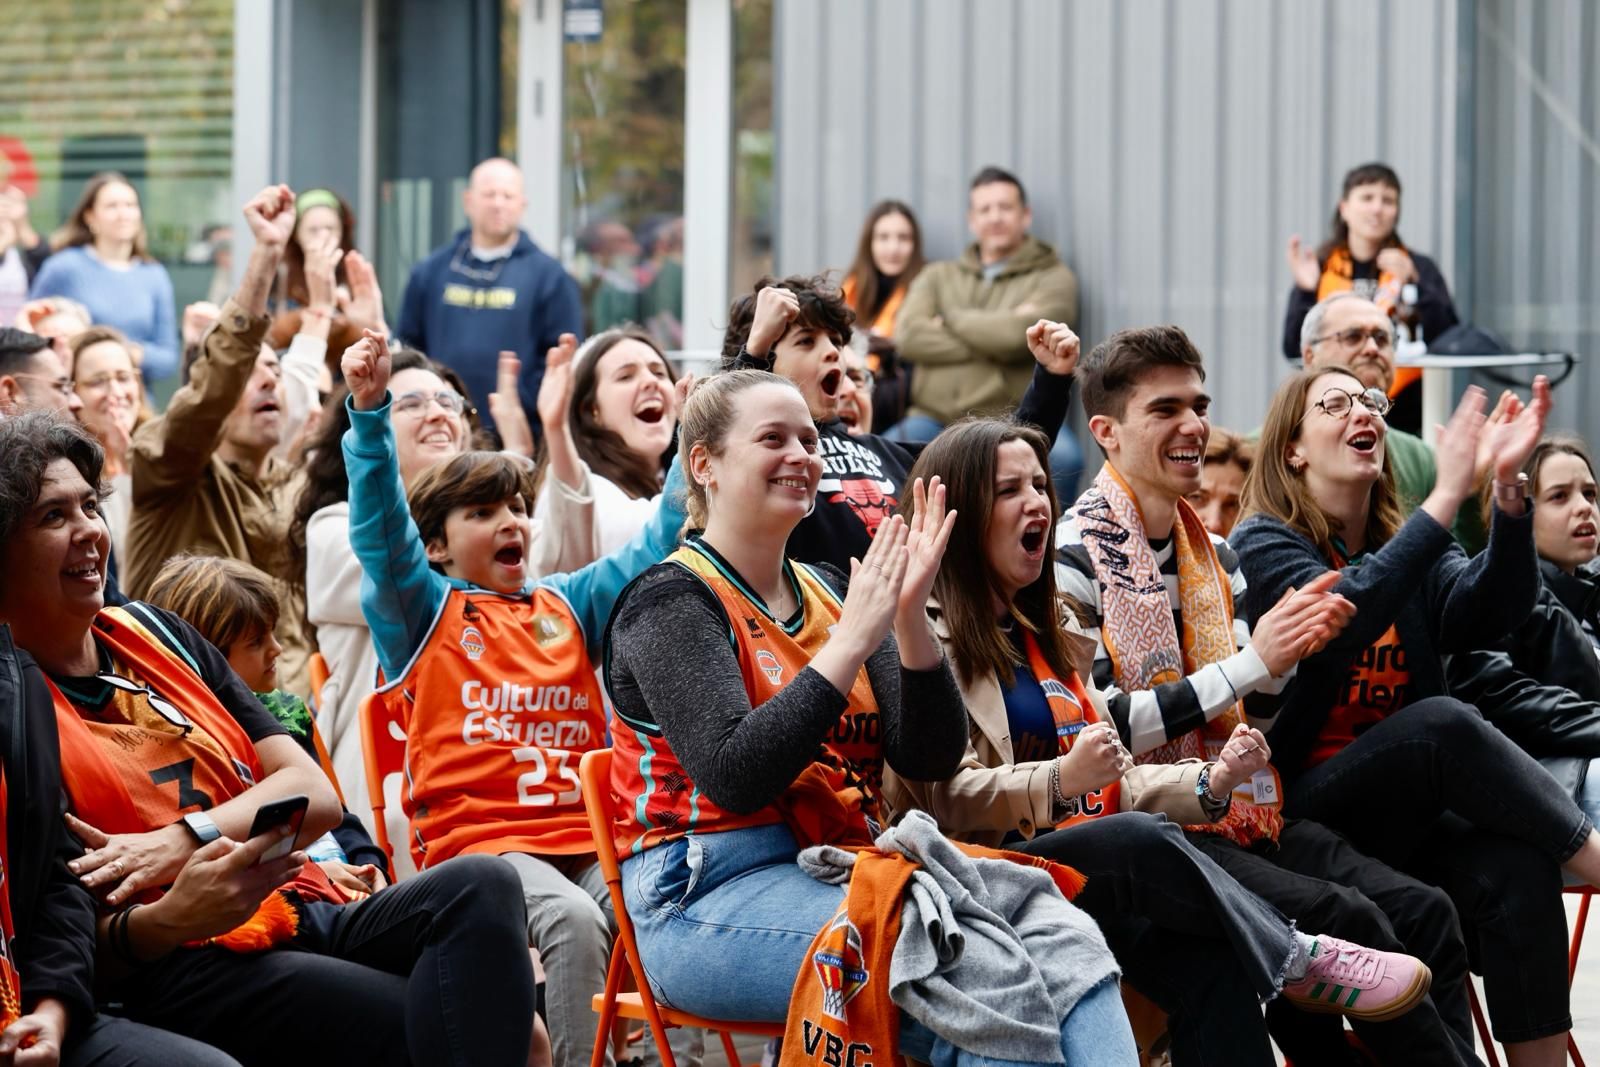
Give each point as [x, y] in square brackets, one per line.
[915, 749]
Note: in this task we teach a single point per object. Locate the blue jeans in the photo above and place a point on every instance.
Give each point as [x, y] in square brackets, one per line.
[724, 920]
[1066, 458]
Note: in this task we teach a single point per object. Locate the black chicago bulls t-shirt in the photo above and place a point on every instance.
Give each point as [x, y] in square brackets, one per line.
[860, 488]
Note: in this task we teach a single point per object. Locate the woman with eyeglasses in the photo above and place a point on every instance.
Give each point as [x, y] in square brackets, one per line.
[107, 380]
[1368, 741]
[1364, 254]
[432, 422]
[206, 926]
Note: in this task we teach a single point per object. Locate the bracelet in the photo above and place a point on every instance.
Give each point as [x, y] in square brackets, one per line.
[121, 941]
[1512, 493]
[1068, 806]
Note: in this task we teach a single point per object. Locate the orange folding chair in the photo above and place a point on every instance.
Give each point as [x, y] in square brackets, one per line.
[595, 776]
[1585, 893]
[383, 754]
[317, 670]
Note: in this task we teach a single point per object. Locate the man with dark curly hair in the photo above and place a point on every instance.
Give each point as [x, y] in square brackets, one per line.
[797, 327]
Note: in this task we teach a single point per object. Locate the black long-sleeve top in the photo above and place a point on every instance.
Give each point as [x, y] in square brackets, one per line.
[1434, 306]
[670, 664]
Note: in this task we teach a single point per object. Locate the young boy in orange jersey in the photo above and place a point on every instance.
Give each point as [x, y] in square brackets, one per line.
[496, 675]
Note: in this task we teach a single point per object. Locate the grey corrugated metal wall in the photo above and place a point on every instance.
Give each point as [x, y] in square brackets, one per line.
[1169, 148]
[1535, 233]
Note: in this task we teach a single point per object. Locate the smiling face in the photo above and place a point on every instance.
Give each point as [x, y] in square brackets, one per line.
[1338, 451]
[810, 359]
[486, 544]
[1217, 499]
[115, 214]
[109, 386]
[893, 242]
[1566, 521]
[767, 469]
[633, 398]
[998, 219]
[428, 434]
[55, 563]
[1017, 536]
[1160, 442]
[1371, 211]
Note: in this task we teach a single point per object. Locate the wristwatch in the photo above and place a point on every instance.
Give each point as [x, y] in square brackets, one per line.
[1202, 789]
[202, 827]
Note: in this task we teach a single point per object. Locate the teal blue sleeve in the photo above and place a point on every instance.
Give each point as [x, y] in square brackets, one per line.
[400, 593]
[594, 590]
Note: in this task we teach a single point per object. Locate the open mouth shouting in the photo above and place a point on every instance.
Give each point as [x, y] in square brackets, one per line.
[1033, 539]
[651, 411]
[510, 555]
[829, 383]
[1364, 441]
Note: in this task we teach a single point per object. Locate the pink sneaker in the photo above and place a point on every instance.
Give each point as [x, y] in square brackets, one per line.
[1351, 979]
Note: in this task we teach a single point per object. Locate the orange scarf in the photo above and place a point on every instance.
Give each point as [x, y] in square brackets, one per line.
[849, 959]
[883, 323]
[10, 981]
[1144, 645]
[1072, 710]
[1338, 276]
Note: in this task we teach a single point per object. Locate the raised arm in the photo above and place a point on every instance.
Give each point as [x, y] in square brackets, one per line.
[1055, 349]
[401, 594]
[169, 453]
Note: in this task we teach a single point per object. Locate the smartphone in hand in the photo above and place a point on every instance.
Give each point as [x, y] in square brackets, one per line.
[290, 811]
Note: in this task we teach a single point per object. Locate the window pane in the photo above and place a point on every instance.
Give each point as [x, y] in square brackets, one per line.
[144, 87]
[622, 165]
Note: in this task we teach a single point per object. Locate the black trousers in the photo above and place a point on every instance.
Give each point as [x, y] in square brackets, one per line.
[1189, 937]
[1436, 791]
[108, 1041]
[434, 970]
[1327, 886]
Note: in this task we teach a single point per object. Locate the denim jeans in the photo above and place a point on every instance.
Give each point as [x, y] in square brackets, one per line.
[1436, 791]
[723, 922]
[1066, 456]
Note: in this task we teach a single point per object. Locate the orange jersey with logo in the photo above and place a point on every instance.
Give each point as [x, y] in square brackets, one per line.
[1376, 686]
[500, 704]
[657, 801]
[128, 769]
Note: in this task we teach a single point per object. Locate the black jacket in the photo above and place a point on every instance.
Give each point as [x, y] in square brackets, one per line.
[54, 915]
[1541, 684]
[1434, 306]
[1438, 600]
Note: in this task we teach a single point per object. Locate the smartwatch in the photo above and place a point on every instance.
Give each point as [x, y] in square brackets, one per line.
[202, 827]
[1202, 789]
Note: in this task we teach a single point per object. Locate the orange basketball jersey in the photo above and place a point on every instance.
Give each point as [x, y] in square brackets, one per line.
[500, 703]
[656, 799]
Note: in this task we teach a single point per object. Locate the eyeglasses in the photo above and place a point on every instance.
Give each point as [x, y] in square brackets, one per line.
[1337, 403]
[60, 385]
[101, 381]
[412, 403]
[1356, 338]
[863, 378]
[161, 705]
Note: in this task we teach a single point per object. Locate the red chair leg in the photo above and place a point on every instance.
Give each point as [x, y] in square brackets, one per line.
[728, 1049]
[608, 1011]
[1577, 935]
[1482, 1024]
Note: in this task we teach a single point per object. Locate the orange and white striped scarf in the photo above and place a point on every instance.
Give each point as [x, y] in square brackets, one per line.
[1141, 639]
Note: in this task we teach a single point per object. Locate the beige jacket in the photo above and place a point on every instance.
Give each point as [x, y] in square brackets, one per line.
[187, 499]
[990, 795]
[968, 337]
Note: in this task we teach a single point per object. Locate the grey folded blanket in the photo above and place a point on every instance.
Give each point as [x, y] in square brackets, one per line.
[991, 956]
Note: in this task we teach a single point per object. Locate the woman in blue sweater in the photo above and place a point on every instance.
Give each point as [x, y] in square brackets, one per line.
[102, 262]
